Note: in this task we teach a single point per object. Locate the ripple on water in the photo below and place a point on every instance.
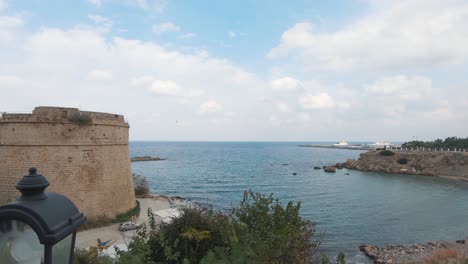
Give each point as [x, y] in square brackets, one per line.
[351, 209]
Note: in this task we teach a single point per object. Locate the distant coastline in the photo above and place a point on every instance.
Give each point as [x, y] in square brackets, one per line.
[353, 147]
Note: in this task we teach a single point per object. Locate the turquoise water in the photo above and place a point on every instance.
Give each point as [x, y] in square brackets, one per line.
[359, 208]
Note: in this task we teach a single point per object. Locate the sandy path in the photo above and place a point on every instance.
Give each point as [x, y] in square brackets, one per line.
[89, 237]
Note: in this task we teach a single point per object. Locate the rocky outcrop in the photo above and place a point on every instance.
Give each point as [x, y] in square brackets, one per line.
[431, 252]
[418, 163]
[399, 253]
[146, 158]
[329, 169]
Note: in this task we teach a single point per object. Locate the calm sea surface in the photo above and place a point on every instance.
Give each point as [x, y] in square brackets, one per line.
[355, 209]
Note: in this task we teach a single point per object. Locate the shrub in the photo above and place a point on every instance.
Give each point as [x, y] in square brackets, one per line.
[140, 184]
[402, 161]
[341, 259]
[259, 230]
[276, 234]
[134, 212]
[386, 153]
[86, 256]
[103, 220]
[80, 119]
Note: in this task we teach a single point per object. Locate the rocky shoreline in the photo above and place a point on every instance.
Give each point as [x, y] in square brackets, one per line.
[444, 164]
[431, 252]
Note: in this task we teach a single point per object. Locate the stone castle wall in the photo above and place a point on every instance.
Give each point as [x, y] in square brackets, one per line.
[84, 155]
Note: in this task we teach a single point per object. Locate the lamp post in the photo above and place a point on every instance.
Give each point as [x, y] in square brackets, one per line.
[38, 227]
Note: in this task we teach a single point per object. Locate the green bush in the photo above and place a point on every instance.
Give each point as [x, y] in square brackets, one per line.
[402, 161]
[102, 220]
[127, 216]
[259, 230]
[140, 184]
[386, 153]
[87, 256]
[80, 119]
[276, 234]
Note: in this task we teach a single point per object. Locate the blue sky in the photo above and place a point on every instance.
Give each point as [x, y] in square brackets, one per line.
[244, 70]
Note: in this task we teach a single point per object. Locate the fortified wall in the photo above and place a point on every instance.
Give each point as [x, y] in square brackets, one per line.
[84, 155]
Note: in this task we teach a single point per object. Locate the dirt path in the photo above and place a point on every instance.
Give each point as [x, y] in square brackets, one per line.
[89, 237]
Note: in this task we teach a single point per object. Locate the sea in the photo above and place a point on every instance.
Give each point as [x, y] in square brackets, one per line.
[349, 210]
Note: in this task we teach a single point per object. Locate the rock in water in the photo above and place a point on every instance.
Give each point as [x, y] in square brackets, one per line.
[329, 169]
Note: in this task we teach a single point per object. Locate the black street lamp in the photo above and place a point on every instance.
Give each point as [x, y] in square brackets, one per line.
[38, 227]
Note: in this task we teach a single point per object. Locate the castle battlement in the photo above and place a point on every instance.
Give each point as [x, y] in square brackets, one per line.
[65, 115]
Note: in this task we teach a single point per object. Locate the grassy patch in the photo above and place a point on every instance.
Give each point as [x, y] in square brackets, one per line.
[386, 153]
[135, 211]
[402, 161]
[80, 119]
[101, 221]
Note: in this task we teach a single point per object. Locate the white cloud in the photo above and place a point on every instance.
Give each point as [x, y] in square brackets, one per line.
[104, 23]
[194, 93]
[283, 108]
[188, 35]
[157, 6]
[10, 28]
[189, 77]
[210, 107]
[165, 27]
[321, 101]
[142, 81]
[232, 34]
[98, 19]
[403, 87]
[99, 75]
[285, 84]
[10, 21]
[96, 3]
[8, 81]
[168, 88]
[413, 33]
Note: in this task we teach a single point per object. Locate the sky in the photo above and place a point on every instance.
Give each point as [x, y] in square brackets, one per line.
[246, 70]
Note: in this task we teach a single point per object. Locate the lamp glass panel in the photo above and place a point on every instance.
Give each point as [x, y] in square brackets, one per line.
[19, 244]
[61, 251]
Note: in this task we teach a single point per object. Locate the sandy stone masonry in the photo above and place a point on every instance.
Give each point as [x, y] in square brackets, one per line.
[84, 155]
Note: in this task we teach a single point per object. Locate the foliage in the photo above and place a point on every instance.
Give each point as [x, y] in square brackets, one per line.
[90, 256]
[95, 222]
[259, 230]
[275, 233]
[340, 259]
[103, 220]
[80, 119]
[325, 259]
[450, 142]
[134, 212]
[386, 153]
[140, 184]
[402, 161]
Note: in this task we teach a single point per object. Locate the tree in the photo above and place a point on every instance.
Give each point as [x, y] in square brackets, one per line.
[140, 184]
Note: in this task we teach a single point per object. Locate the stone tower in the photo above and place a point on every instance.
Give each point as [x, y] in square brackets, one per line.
[84, 155]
